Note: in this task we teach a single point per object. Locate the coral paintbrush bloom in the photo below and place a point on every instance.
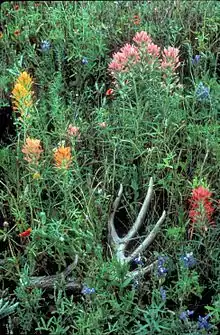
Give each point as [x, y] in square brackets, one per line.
[170, 58]
[73, 131]
[153, 50]
[137, 19]
[32, 150]
[62, 157]
[26, 233]
[127, 56]
[142, 37]
[201, 208]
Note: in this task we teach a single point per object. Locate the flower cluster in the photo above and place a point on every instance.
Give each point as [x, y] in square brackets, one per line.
[145, 50]
[125, 58]
[22, 93]
[196, 59]
[185, 315]
[202, 92]
[161, 269]
[188, 260]
[87, 290]
[62, 157]
[201, 208]
[203, 322]
[45, 46]
[170, 59]
[32, 150]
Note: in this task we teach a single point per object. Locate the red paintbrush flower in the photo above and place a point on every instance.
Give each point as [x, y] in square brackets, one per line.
[201, 208]
[26, 233]
[110, 91]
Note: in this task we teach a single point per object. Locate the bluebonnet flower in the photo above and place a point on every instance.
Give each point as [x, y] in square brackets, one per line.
[84, 61]
[202, 92]
[196, 59]
[87, 290]
[189, 260]
[163, 293]
[203, 322]
[138, 260]
[45, 46]
[184, 315]
[161, 269]
[135, 283]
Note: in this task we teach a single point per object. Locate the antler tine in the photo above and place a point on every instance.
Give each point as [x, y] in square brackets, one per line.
[115, 238]
[147, 269]
[141, 215]
[149, 239]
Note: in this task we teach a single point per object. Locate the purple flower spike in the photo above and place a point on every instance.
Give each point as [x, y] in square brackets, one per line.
[196, 59]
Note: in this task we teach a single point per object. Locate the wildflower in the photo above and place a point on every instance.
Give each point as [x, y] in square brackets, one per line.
[21, 93]
[17, 32]
[196, 59]
[136, 20]
[201, 208]
[203, 322]
[135, 283]
[32, 150]
[109, 92]
[102, 124]
[142, 37]
[73, 131]
[36, 176]
[1, 34]
[127, 56]
[184, 315]
[84, 61]
[45, 46]
[16, 7]
[163, 293]
[87, 290]
[26, 233]
[202, 92]
[62, 157]
[153, 50]
[138, 260]
[170, 58]
[188, 260]
[161, 269]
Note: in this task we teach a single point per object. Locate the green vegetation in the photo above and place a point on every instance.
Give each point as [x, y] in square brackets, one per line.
[94, 95]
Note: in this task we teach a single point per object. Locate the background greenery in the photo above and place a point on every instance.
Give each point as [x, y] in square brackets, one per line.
[149, 132]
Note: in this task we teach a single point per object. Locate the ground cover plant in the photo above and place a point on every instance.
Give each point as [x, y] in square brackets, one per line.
[109, 167]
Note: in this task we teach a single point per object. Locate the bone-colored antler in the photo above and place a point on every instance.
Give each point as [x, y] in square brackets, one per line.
[120, 244]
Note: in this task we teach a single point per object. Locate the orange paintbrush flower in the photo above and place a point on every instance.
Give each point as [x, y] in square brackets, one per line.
[32, 150]
[62, 157]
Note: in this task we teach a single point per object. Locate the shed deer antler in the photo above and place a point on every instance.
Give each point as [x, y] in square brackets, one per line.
[120, 244]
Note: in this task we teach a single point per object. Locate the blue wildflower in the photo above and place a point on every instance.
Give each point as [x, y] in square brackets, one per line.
[203, 322]
[87, 290]
[135, 283]
[202, 92]
[185, 315]
[45, 46]
[189, 260]
[161, 269]
[196, 59]
[85, 61]
[163, 293]
[138, 260]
